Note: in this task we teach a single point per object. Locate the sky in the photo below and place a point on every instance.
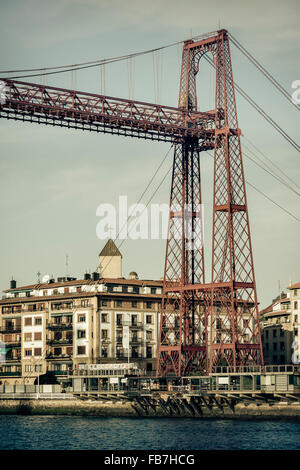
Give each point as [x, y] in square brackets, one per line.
[53, 180]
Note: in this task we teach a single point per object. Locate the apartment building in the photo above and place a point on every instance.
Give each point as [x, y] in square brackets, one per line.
[280, 328]
[50, 328]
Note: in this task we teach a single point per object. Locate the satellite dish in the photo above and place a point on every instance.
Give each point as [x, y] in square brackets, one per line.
[45, 278]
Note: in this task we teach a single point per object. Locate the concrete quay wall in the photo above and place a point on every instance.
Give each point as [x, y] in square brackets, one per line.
[103, 408]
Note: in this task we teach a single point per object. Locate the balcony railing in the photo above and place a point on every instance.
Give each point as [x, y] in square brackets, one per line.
[58, 356]
[59, 372]
[60, 341]
[10, 330]
[138, 324]
[12, 359]
[60, 326]
[13, 344]
[10, 374]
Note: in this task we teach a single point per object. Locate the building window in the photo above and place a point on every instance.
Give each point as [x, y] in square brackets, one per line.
[104, 352]
[134, 304]
[69, 351]
[119, 319]
[119, 303]
[295, 305]
[136, 290]
[27, 337]
[104, 318]
[85, 303]
[38, 321]
[81, 318]
[124, 289]
[104, 334]
[149, 319]
[134, 352]
[267, 334]
[274, 333]
[28, 352]
[80, 350]
[282, 361]
[57, 320]
[134, 320]
[149, 335]
[37, 351]
[57, 351]
[69, 318]
[37, 336]
[295, 292]
[153, 290]
[148, 304]
[38, 368]
[104, 302]
[28, 321]
[80, 334]
[28, 368]
[149, 352]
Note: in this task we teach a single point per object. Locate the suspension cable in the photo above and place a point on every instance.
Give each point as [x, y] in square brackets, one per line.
[267, 197]
[269, 159]
[261, 111]
[142, 195]
[94, 63]
[262, 69]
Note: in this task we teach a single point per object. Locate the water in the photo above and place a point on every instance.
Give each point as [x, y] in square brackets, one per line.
[81, 433]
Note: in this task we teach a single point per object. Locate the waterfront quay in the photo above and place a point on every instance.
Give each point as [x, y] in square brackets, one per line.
[273, 392]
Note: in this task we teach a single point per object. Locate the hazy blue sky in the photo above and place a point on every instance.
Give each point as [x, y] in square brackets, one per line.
[52, 180]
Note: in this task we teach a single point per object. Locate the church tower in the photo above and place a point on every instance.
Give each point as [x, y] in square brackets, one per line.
[110, 261]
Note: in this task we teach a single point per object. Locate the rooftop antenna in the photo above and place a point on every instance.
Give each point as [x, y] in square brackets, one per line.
[67, 265]
[39, 277]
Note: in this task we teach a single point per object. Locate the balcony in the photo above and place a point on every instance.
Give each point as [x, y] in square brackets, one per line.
[9, 360]
[59, 372]
[59, 326]
[13, 344]
[10, 374]
[10, 330]
[59, 342]
[121, 323]
[58, 356]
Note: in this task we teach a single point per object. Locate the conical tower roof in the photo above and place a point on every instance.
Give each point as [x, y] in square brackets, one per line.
[110, 249]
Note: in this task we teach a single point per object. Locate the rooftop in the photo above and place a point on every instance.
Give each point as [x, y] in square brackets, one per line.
[110, 249]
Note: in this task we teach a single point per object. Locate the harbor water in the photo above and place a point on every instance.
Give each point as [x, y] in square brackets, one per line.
[97, 433]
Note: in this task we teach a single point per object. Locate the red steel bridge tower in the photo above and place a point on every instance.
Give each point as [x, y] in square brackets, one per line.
[203, 325]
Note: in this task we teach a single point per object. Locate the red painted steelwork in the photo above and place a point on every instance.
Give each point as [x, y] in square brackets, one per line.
[204, 325]
[87, 111]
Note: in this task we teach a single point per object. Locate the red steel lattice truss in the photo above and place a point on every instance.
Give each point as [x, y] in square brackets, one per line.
[207, 325]
[202, 325]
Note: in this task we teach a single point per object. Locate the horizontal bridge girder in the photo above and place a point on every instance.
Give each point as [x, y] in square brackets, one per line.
[207, 287]
[69, 108]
